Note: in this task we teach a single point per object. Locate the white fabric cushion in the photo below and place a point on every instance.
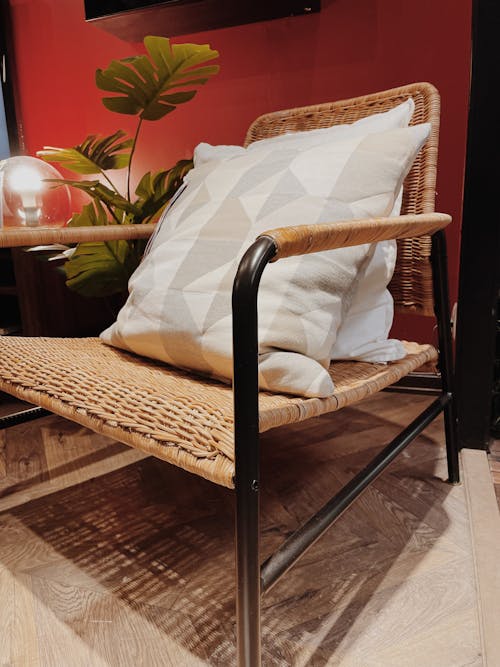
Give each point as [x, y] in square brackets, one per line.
[363, 332]
[179, 308]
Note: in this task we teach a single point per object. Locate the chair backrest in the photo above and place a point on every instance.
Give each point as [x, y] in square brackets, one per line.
[411, 285]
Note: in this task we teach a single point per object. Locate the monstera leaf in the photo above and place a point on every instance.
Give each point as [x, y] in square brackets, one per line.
[155, 190]
[93, 155]
[99, 192]
[97, 268]
[148, 85]
[92, 215]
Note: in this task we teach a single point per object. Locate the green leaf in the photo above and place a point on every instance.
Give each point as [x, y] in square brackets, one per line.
[93, 155]
[99, 192]
[147, 85]
[121, 105]
[90, 216]
[99, 268]
[156, 189]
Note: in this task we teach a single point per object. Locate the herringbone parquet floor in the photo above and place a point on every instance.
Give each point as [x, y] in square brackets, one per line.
[109, 558]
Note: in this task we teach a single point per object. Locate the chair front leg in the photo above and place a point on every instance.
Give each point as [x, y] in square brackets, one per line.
[246, 440]
[442, 310]
[248, 566]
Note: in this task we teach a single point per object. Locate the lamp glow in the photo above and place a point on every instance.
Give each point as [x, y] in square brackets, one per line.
[27, 198]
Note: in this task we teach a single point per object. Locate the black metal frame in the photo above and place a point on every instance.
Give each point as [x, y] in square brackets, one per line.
[22, 417]
[252, 579]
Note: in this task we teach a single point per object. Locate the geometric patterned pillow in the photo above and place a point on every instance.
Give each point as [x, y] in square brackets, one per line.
[179, 307]
[363, 333]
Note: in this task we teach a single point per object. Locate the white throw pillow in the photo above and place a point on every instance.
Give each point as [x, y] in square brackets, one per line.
[363, 332]
[179, 308]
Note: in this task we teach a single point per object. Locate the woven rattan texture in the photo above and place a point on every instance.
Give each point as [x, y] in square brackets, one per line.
[315, 238]
[182, 419]
[11, 237]
[411, 285]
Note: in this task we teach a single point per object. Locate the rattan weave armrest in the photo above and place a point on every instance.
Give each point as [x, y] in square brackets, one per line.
[305, 239]
[11, 237]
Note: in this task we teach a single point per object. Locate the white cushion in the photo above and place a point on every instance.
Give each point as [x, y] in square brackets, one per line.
[179, 308]
[363, 332]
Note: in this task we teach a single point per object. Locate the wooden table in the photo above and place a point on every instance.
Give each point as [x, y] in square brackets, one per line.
[36, 299]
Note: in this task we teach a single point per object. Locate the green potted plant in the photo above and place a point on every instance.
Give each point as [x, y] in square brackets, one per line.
[148, 86]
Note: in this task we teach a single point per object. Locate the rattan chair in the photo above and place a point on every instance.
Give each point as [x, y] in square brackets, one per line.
[212, 430]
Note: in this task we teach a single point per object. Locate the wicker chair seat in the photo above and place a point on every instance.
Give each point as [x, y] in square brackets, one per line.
[176, 416]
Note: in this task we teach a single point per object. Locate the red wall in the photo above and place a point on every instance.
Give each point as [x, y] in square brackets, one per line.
[350, 48]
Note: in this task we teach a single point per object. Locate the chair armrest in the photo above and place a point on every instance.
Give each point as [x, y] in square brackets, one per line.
[11, 237]
[305, 239]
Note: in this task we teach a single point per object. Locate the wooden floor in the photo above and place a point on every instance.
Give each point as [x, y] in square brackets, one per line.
[109, 558]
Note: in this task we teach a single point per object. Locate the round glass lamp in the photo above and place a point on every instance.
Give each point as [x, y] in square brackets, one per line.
[27, 199]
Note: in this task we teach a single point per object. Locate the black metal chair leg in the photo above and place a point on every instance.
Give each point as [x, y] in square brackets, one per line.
[442, 309]
[246, 445]
[248, 574]
[451, 434]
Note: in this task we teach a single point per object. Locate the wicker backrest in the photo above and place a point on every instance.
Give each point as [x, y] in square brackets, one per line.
[411, 285]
